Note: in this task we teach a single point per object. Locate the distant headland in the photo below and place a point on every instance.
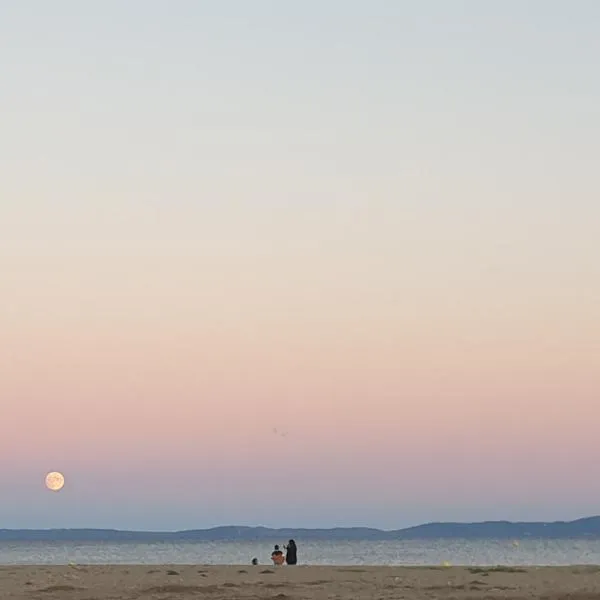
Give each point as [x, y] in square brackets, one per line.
[586, 528]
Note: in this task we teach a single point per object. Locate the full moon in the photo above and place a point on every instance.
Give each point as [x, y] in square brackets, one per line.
[55, 481]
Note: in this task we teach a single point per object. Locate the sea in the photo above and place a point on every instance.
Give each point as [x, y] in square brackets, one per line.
[411, 552]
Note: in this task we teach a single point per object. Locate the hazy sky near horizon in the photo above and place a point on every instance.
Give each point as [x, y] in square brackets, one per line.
[373, 226]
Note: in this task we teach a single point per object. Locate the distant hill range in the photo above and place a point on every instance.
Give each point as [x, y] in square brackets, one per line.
[587, 528]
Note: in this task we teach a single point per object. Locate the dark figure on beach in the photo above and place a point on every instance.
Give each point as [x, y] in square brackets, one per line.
[255, 561]
[291, 556]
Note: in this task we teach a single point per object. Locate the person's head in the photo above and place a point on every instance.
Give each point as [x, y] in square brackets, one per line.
[291, 543]
[255, 561]
[276, 546]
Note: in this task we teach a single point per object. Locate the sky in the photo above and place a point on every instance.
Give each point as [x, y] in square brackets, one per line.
[311, 264]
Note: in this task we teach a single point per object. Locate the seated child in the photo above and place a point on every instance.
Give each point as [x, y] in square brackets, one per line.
[277, 556]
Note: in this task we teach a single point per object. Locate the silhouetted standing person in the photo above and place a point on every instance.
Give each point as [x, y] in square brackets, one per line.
[291, 553]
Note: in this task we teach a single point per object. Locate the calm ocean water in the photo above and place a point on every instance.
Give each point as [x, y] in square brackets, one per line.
[413, 552]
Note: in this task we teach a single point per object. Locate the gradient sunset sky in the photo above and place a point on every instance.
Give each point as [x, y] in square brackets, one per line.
[370, 226]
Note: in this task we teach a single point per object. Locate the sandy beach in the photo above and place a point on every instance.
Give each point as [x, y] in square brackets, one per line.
[165, 582]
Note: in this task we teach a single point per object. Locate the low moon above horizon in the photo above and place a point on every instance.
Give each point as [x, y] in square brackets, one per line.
[55, 481]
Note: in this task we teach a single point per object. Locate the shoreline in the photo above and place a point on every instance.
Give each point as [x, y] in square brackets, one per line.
[301, 582]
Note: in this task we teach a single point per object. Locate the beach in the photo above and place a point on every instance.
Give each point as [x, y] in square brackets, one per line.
[164, 582]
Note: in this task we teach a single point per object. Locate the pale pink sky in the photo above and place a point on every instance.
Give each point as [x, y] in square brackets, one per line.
[408, 286]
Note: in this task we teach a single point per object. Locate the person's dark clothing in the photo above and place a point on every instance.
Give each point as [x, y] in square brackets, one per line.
[291, 556]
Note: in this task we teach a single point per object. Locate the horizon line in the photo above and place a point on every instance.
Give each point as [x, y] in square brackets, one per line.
[350, 527]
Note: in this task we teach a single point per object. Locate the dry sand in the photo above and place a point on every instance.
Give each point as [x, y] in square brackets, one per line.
[296, 583]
